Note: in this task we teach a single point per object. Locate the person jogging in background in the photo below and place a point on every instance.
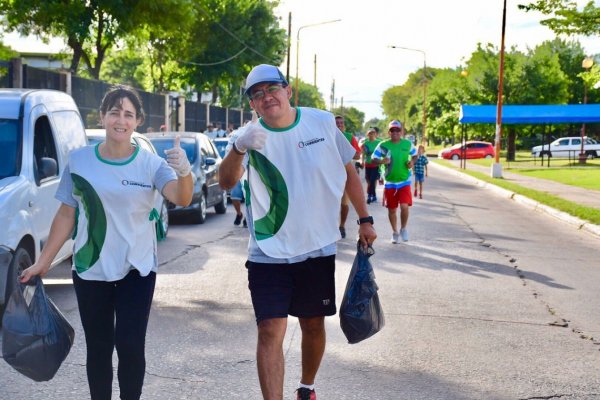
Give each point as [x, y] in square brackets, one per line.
[371, 168]
[398, 155]
[107, 193]
[297, 165]
[420, 170]
[344, 207]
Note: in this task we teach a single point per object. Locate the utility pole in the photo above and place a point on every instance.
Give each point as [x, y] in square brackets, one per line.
[289, 44]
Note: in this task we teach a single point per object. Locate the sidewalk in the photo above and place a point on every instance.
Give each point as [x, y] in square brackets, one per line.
[589, 198]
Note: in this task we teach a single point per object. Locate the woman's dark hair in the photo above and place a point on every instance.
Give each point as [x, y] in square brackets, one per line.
[114, 97]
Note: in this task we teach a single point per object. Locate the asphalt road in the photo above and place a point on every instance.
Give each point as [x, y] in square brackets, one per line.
[488, 300]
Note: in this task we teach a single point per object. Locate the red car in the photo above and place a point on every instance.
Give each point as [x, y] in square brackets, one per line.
[474, 149]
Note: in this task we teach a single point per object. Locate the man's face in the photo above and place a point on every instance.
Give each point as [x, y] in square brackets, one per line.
[271, 101]
[339, 122]
[395, 134]
[372, 135]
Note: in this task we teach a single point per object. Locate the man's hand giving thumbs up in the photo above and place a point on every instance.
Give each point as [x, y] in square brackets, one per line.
[253, 137]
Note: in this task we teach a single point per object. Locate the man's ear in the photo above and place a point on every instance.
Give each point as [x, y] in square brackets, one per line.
[289, 92]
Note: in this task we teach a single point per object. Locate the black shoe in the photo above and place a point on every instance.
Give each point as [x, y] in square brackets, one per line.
[343, 232]
[369, 200]
[238, 219]
[245, 223]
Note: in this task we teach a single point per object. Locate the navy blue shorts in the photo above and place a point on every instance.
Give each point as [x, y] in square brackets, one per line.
[305, 289]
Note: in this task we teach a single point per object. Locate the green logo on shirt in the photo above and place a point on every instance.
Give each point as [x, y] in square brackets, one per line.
[270, 176]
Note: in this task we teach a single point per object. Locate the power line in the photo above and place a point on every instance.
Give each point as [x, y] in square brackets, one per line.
[214, 63]
[233, 35]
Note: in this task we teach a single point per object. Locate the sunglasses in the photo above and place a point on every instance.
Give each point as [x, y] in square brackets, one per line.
[394, 130]
[260, 94]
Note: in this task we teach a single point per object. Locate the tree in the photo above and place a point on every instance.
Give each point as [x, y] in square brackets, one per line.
[566, 18]
[308, 95]
[89, 28]
[228, 39]
[353, 118]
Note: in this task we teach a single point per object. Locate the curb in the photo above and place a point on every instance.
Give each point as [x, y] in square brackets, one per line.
[527, 202]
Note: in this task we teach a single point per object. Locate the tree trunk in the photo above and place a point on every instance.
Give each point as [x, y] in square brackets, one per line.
[510, 144]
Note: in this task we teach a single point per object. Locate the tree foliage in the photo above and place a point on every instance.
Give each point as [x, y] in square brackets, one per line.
[228, 39]
[308, 95]
[565, 18]
[550, 73]
[353, 118]
[90, 28]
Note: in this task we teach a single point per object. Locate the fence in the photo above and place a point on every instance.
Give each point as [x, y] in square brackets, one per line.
[88, 93]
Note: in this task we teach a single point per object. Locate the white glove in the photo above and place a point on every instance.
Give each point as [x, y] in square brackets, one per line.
[177, 159]
[253, 137]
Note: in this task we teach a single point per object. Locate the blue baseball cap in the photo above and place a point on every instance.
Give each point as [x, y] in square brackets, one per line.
[264, 73]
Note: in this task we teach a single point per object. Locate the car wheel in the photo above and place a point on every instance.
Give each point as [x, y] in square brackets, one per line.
[21, 260]
[164, 216]
[488, 156]
[200, 210]
[221, 206]
[591, 155]
[455, 157]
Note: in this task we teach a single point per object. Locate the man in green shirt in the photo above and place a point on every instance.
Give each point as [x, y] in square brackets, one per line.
[371, 168]
[398, 155]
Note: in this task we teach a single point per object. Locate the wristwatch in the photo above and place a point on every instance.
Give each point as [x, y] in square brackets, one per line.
[364, 220]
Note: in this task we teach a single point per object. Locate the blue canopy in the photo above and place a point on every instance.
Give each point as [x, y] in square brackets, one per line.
[531, 114]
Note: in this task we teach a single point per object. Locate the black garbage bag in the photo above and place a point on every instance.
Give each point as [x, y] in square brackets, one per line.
[361, 315]
[36, 337]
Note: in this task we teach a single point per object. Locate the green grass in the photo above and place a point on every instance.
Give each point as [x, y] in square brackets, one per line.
[586, 213]
[561, 170]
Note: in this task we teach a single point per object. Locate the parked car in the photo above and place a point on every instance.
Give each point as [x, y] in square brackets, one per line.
[474, 149]
[568, 147]
[205, 161]
[96, 136]
[221, 144]
[38, 129]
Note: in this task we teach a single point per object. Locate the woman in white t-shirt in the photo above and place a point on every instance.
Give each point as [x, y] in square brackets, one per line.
[107, 193]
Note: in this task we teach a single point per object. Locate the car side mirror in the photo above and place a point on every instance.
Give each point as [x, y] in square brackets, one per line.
[48, 167]
[209, 161]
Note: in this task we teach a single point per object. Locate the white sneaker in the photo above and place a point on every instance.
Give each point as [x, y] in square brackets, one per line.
[404, 234]
[395, 237]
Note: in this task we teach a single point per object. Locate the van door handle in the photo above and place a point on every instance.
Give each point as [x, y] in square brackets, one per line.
[30, 203]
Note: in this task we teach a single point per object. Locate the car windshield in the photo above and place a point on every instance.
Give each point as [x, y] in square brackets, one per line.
[164, 143]
[221, 145]
[9, 145]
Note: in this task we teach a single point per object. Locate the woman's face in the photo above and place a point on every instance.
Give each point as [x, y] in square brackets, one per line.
[120, 121]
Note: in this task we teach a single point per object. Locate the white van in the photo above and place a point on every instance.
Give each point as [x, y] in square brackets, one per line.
[38, 129]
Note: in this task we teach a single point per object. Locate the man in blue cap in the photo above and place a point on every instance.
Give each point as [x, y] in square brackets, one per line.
[296, 165]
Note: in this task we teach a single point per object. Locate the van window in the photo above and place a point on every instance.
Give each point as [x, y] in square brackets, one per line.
[10, 154]
[43, 144]
[70, 130]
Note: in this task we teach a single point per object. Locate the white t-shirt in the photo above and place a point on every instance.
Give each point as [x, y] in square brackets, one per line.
[114, 231]
[296, 183]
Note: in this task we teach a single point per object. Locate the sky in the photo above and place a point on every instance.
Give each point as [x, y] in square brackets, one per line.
[355, 51]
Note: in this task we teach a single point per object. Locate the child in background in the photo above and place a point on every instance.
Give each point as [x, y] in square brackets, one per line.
[420, 170]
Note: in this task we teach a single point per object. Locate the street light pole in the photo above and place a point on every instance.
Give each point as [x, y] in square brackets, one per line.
[424, 137]
[298, 54]
[496, 171]
[585, 64]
